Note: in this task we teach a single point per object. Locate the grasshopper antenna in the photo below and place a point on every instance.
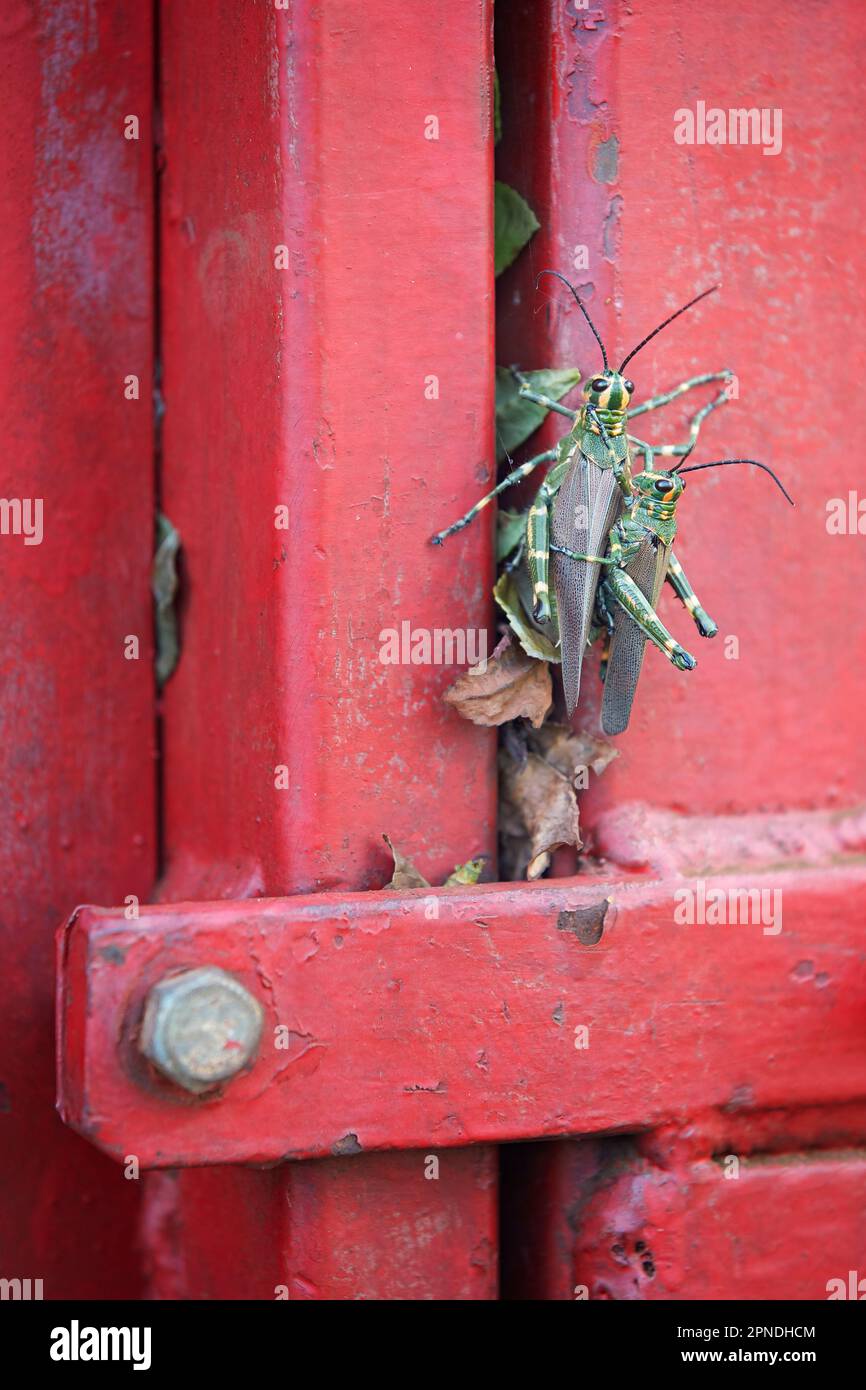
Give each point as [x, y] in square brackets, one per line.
[686, 455]
[643, 343]
[724, 463]
[581, 306]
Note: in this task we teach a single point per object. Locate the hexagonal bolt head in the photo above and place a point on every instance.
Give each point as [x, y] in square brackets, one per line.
[201, 1027]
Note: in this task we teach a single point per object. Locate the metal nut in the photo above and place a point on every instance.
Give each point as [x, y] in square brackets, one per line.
[201, 1027]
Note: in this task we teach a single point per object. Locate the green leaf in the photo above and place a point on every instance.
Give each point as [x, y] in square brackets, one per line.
[514, 224]
[497, 109]
[517, 418]
[510, 526]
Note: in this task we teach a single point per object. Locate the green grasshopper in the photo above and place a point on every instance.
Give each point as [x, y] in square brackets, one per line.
[582, 495]
[638, 560]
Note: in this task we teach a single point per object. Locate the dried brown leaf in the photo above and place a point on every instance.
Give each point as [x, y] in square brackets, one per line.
[509, 685]
[571, 753]
[539, 799]
[405, 875]
[538, 805]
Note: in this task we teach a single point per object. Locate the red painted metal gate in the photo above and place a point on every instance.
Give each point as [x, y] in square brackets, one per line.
[323, 324]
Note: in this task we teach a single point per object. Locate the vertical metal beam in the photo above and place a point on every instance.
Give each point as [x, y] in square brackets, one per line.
[327, 297]
[641, 223]
[77, 754]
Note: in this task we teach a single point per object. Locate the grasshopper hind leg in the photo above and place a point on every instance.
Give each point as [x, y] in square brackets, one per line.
[538, 542]
[621, 588]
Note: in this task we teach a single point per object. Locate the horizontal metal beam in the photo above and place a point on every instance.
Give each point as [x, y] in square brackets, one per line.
[441, 1018]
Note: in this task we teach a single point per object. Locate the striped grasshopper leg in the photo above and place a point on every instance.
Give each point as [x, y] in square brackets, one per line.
[515, 476]
[538, 541]
[621, 587]
[681, 450]
[676, 577]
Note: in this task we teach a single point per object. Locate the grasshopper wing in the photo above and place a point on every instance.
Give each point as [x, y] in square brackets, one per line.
[587, 506]
[648, 570]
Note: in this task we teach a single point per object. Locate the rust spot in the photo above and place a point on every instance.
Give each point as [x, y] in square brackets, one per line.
[347, 1145]
[113, 954]
[587, 923]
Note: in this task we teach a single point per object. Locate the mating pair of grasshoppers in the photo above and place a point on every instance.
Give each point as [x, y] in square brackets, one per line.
[598, 541]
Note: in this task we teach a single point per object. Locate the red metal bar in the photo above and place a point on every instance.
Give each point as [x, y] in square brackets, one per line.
[305, 387]
[502, 1018]
[76, 698]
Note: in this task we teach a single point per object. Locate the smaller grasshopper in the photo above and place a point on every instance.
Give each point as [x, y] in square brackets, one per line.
[638, 560]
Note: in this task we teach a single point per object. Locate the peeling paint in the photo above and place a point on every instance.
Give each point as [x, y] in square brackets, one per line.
[587, 923]
[605, 160]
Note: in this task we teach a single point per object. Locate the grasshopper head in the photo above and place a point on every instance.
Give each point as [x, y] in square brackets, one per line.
[657, 485]
[609, 391]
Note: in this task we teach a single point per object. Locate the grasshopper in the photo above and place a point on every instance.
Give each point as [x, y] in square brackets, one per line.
[582, 494]
[638, 559]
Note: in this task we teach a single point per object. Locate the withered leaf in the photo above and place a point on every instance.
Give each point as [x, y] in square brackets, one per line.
[542, 802]
[570, 752]
[509, 685]
[405, 874]
[164, 585]
[538, 785]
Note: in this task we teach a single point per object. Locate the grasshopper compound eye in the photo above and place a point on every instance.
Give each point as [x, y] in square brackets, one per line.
[599, 384]
[629, 386]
